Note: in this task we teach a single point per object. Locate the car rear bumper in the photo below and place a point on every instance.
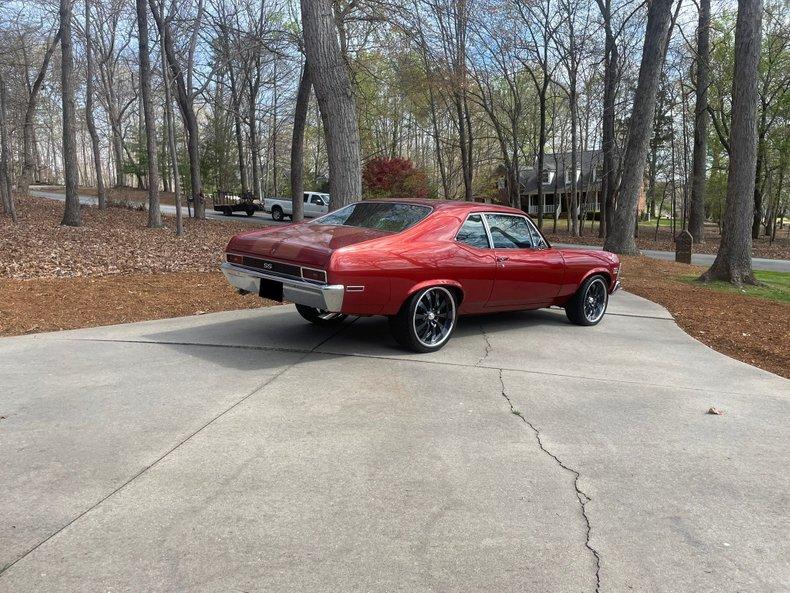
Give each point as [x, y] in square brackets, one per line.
[321, 296]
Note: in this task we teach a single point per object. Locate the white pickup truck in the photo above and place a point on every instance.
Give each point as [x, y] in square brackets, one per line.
[315, 204]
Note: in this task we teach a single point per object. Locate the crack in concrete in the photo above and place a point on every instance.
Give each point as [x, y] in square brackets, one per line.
[488, 346]
[582, 496]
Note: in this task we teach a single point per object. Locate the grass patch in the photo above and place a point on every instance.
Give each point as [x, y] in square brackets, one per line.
[663, 223]
[775, 286]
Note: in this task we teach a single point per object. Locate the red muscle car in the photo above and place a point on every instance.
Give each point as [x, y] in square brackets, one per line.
[421, 263]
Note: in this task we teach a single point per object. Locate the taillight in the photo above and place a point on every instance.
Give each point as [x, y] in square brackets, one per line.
[232, 258]
[316, 275]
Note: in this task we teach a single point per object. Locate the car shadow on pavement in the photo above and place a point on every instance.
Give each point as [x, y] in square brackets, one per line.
[279, 334]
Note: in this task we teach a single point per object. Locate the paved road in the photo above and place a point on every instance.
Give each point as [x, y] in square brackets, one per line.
[249, 451]
[700, 259]
[259, 218]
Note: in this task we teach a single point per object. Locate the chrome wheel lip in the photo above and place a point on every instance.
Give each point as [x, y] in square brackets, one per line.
[439, 302]
[594, 302]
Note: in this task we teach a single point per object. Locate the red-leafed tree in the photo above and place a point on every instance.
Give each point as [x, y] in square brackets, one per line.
[396, 177]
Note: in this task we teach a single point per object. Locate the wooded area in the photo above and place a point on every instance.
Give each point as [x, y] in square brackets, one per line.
[686, 102]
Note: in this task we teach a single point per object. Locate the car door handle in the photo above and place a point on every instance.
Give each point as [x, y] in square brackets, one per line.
[501, 258]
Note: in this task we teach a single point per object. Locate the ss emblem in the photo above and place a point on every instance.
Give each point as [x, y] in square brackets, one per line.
[267, 266]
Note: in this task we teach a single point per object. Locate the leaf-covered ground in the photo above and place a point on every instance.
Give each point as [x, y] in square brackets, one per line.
[114, 241]
[114, 270]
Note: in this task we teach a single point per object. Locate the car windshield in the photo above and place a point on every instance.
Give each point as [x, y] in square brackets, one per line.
[391, 217]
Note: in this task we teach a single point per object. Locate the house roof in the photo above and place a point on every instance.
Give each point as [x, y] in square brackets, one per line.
[557, 163]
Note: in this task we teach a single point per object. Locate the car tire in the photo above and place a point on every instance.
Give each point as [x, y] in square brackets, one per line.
[319, 316]
[588, 304]
[426, 320]
[250, 211]
[277, 213]
[226, 211]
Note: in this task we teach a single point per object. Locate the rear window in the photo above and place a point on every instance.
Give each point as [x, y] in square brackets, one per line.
[376, 215]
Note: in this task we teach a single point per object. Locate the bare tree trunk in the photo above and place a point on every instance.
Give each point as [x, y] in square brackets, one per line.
[71, 214]
[608, 180]
[297, 145]
[5, 179]
[275, 101]
[621, 236]
[29, 164]
[757, 214]
[117, 147]
[154, 216]
[733, 262]
[101, 192]
[542, 149]
[187, 108]
[171, 140]
[573, 212]
[236, 98]
[332, 85]
[698, 177]
[252, 116]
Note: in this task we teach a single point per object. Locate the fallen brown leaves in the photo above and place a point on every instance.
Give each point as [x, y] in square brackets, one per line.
[114, 241]
[110, 270]
[754, 330]
[50, 304]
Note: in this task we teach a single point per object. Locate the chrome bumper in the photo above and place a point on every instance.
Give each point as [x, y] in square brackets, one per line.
[320, 296]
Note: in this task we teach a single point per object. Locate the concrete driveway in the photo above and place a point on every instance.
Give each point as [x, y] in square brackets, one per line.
[249, 451]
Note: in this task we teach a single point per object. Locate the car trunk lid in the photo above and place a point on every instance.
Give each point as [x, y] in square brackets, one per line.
[305, 244]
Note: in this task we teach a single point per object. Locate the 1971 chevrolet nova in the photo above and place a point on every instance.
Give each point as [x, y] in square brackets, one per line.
[421, 263]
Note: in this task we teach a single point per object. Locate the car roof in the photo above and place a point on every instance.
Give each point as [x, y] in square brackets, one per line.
[454, 205]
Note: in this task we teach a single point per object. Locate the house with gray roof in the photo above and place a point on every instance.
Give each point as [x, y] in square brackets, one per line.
[557, 181]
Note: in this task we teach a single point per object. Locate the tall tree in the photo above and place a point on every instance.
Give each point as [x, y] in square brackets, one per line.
[733, 262]
[699, 162]
[71, 214]
[185, 94]
[171, 137]
[5, 178]
[297, 144]
[90, 72]
[537, 19]
[332, 85]
[154, 215]
[610, 78]
[621, 237]
[29, 124]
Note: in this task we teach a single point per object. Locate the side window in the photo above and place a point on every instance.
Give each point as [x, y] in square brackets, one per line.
[473, 233]
[305, 198]
[509, 232]
[316, 200]
[537, 238]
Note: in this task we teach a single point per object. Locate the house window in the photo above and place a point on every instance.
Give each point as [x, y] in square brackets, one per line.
[598, 172]
[568, 176]
[547, 176]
